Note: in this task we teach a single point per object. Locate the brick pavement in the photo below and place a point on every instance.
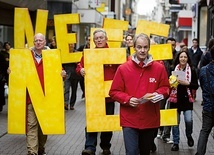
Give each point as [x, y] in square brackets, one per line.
[72, 142]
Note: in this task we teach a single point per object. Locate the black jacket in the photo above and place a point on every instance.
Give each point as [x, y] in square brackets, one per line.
[183, 103]
[195, 57]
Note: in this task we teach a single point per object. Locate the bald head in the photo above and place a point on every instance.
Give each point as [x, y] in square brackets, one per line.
[40, 35]
[39, 42]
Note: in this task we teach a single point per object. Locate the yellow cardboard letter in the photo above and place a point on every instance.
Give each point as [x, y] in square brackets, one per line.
[97, 88]
[115, 37]
[48, 104]
[119, 26]
[159, 52]
[23, 26]
[64, 38]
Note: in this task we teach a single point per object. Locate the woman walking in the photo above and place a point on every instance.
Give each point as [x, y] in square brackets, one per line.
[181, 97]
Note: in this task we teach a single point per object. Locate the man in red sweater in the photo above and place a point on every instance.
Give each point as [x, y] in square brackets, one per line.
[35, 138]
[139, 117]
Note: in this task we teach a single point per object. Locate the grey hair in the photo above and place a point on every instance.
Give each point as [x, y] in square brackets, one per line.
[40, 34]
[142, 36]
[100, 30]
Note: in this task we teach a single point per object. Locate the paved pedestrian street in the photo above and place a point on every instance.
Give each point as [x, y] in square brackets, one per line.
[72, 143]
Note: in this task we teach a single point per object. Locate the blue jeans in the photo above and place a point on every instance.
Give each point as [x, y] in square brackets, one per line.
[188, 124]
[105, 137]
[207, 125]
[138, 141]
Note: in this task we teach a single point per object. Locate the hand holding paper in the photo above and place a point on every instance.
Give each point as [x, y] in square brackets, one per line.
[151, 97]
[179, 74]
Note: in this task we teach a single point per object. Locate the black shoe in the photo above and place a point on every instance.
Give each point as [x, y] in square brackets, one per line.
[1, 108]
[106, 152]
[66, 107]
[88, 152]
[190, 141]
[42, 153]
[154, 148]
[175, 147]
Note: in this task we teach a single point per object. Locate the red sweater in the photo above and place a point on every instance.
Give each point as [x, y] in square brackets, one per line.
[39, 68]
[131, 80]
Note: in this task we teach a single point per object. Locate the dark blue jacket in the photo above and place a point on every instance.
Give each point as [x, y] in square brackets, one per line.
[205, 59]
[208, 101]
[195, 57]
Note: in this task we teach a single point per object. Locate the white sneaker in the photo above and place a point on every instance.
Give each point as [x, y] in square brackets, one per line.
[159, 136]
[170, 141]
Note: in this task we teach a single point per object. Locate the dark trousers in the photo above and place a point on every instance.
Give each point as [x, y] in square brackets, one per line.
[82, 86]
[207, 125]
[2, 98]
[74, 85]
[167, 132]
[138, 141]
[105, 137]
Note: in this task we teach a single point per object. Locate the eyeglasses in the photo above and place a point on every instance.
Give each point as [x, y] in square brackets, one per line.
[139, 48]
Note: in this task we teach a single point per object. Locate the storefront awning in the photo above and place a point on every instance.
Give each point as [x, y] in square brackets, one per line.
[184, 21]
[183, 28]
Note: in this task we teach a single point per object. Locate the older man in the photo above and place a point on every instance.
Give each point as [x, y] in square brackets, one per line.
[136, 81]
[100, 39]
[35, 138]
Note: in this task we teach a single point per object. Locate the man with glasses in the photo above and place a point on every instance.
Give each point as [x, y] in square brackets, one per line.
[140, 77]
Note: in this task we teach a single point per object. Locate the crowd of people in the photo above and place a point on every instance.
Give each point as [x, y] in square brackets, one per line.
[140, 76]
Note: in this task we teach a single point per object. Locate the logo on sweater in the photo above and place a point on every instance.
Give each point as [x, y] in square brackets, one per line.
[152, 80]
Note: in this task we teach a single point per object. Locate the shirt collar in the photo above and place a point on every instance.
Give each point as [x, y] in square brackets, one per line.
[37, 55]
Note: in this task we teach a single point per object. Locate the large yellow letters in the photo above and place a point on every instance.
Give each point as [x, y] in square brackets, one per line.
[48, 105]
[23, 26]
[51, 123]
[64, 38]
[159, 52]
[115, 37]
[96, 87]
[23, 74]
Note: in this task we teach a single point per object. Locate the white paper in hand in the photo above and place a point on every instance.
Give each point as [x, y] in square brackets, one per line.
[180, 75]
[153, 98]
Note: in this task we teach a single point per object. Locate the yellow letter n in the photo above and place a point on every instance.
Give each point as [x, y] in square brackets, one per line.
[48, 104]
[23, 26]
